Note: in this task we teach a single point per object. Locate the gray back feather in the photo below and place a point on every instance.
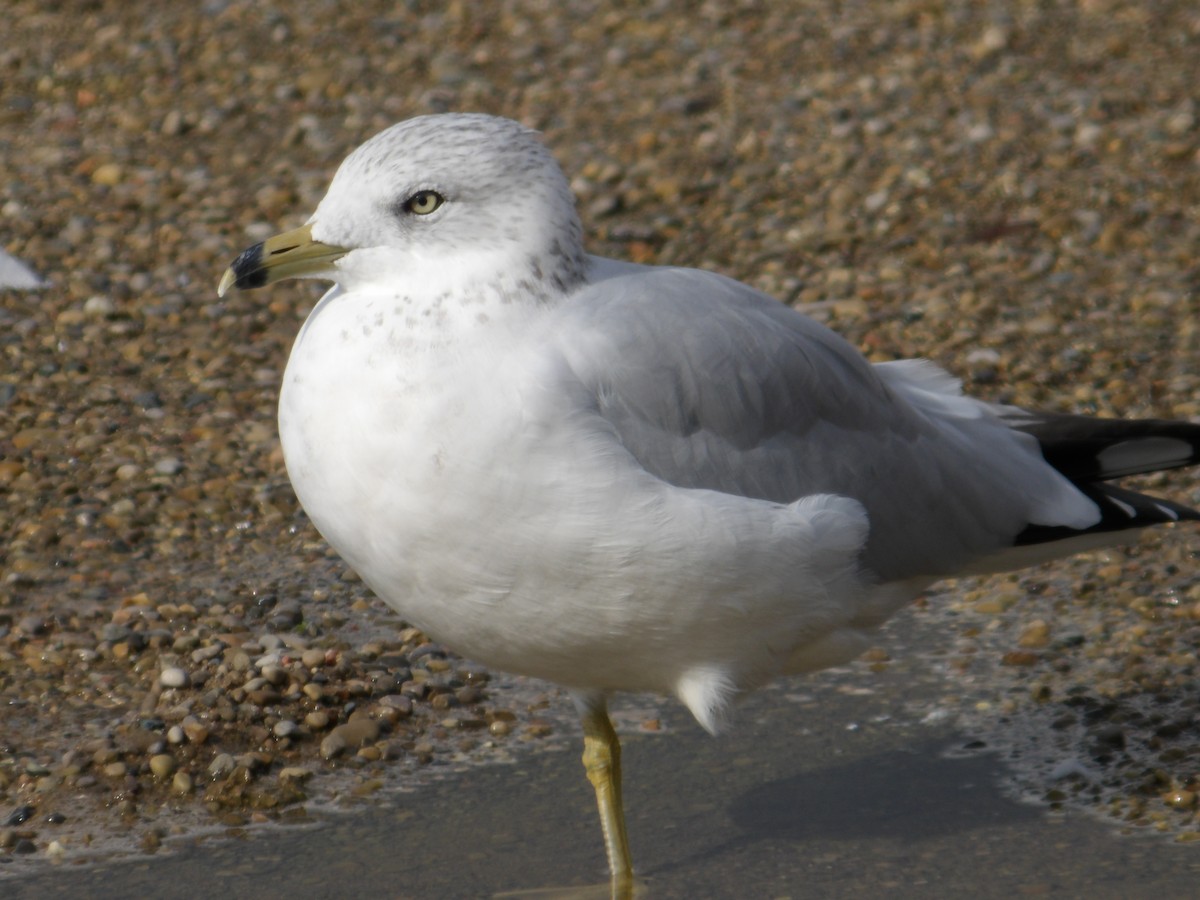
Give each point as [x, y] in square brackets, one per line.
[709, 384]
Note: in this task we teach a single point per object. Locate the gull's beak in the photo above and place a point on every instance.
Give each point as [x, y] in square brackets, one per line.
[293, 254]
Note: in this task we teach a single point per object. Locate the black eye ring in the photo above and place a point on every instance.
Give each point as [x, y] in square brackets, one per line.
[422, 203]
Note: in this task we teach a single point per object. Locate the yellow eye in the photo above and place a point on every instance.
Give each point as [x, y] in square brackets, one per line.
[422, 203]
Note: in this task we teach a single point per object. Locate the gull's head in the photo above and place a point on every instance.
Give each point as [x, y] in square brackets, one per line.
[469, 199]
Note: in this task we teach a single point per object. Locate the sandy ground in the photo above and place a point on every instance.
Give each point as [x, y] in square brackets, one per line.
[1010, 189]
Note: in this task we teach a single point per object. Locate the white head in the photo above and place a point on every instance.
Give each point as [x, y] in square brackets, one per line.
[471, 199]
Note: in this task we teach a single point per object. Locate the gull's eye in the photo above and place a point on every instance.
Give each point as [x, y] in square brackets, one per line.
[422, 203]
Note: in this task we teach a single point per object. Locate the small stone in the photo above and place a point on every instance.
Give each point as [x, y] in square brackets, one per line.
[313, 691]
[162, 765]
[1180, 799]
[352, 734]
[195, 731]
[401, 704]
[99, 306]
[172, 123]
[204, 654]
[312, 658]
[107, 174]
[499, 728]
[295, 773]
[1036, 634]
[181, 784]
[168, 466]
[285, 728]
[360, 729]
[174, 677]
[221, 765]
[19, 815]
[333, 745]
[317, 720]
[115, 769]
[469, 695]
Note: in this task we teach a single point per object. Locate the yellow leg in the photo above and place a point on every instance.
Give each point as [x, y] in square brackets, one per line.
[602, 759]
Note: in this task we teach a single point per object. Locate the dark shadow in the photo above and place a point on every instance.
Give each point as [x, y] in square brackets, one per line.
[907, 795]
[904, 796]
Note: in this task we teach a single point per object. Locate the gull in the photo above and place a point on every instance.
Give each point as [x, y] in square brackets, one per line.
[620, 477]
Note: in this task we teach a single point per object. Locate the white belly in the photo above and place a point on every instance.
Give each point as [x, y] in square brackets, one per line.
[499, 516]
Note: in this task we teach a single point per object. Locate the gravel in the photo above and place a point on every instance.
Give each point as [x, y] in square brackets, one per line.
[1010, 189]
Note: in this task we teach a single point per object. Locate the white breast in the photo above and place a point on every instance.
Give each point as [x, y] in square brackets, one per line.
[493, 508]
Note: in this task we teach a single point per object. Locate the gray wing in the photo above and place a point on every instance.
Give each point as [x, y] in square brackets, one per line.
[709, 384]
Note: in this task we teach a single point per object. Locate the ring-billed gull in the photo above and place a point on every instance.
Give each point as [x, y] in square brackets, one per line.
[621, 477]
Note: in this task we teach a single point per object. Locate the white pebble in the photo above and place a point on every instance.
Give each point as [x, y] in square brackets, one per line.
[174, 677]
[168, 466]
[99, 305]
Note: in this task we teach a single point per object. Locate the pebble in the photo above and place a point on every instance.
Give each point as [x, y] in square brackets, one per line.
[349, 735]
[1181, 799]
[1035, 635]
[195, 731]
[333, 745]
[168, 465]
[174, 677]
[221, 765]
[400, 703]
[162, 765]
[204, 654]
[317, 720]
[99, 306]
[312, 658]
[313, 691]
[19, 815]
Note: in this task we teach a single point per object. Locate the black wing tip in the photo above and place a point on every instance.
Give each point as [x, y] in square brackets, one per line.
[1120, 510]
[1089, 449]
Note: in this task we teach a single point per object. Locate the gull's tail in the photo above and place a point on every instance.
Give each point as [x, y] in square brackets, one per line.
[1091, 452]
